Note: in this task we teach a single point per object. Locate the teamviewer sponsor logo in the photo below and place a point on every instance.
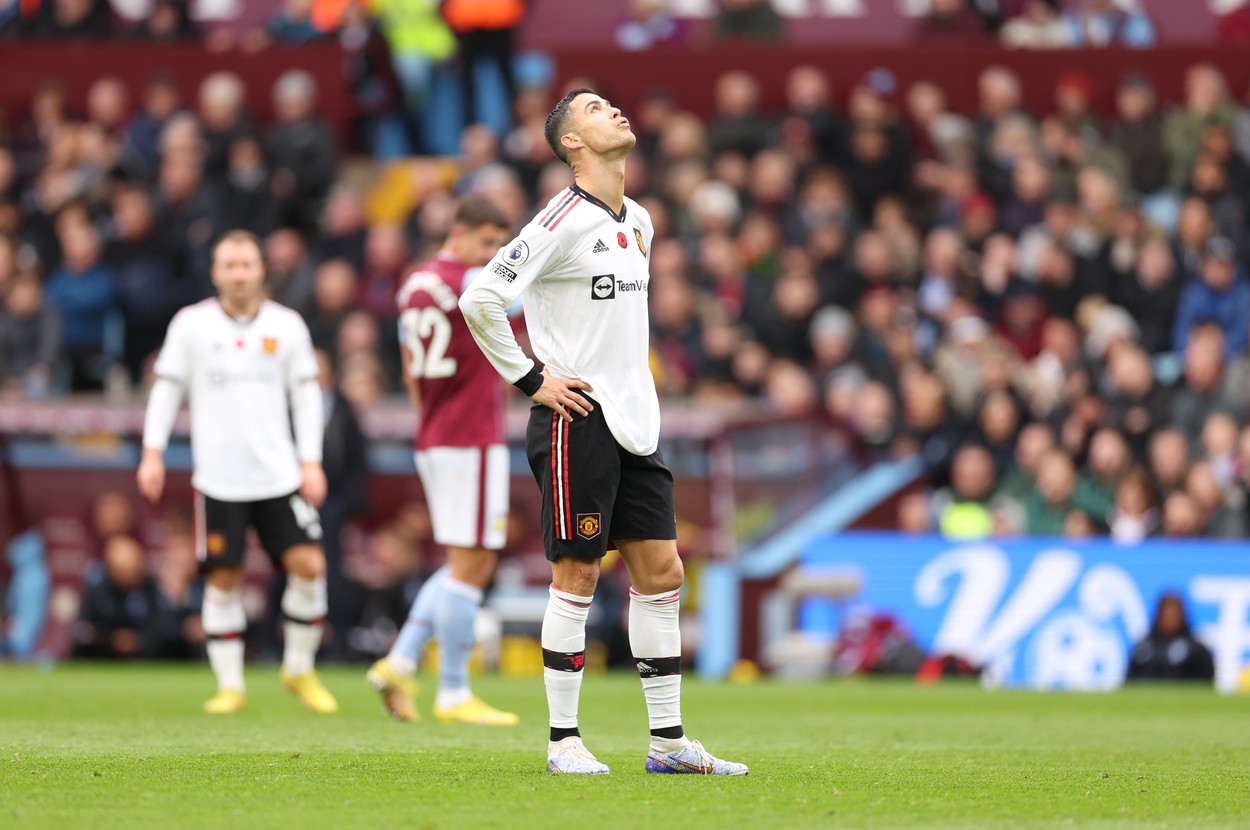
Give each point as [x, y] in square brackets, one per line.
[504, 271]
[603, 287]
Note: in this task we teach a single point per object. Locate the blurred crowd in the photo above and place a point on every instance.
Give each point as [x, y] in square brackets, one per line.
[1051, 308]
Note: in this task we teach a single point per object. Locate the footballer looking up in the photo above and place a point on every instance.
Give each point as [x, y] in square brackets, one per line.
[581, 268]
[248, 367]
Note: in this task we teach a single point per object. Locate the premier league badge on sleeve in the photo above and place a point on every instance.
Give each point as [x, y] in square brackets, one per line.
[642, 246]
[518, 252]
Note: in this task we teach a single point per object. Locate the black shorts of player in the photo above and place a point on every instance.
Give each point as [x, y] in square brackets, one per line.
[594, 491]
[281, 523]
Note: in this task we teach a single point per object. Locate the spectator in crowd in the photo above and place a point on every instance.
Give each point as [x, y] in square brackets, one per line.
[738, 125]
[123, 613]
[1137, 132]
[951, 20]
[292, 23]
[1107, 464]
[419, 40]
[168, 21]
[1206, 102]
[964, 510]
[1182, 516]
[1151, 294]
[246, 199]
[485, 31]
[1221, 296]
[1048, 507]
[291, 270]
[1096, 23]
[301, 150]
[84, 290]
[1170, 651]
[333, 296]
[149, 290]
[649, 23]
[75, 19]
[347, 477]
[141, 142]
[1136, 401]
[30, 339]
[1038, 26]
[223, 115]
[1222, 508]
[747, 20]
[1135, 513]
[343, 231]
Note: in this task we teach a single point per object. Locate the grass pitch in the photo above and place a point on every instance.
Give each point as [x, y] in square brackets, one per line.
[126, 746]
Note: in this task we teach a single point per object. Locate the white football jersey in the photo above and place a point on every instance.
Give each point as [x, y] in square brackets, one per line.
[582, 273]
[239, 375]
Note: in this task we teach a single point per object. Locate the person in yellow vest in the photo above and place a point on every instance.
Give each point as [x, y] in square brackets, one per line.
[484, 30]
[419, 40]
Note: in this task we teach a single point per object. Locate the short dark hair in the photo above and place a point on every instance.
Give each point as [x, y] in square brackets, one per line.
[558, 119]
[476, 211]
[239, 235]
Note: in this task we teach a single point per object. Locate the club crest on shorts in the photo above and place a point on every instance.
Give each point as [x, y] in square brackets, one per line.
[588, 525]
[642, 246]
[216, 544]
[270, 345]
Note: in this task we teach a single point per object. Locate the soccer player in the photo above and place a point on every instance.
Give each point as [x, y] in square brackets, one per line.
[248, 367]
[581, 267]
[462, 458]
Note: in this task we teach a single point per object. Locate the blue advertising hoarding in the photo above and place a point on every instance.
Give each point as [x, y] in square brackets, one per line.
[1042, 613]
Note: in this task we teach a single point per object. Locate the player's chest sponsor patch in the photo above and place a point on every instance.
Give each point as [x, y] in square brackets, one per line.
[607, 287]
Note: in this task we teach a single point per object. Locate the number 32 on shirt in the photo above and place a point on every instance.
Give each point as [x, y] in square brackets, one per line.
[427, 332]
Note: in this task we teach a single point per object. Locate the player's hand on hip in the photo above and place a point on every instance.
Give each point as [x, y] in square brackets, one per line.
[312, 483]
[558, 394]
[151, 475]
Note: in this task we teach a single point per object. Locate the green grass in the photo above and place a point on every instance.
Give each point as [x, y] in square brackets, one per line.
[125, 746]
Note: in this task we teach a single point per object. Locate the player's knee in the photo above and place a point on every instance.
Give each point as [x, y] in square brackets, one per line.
[224, 579]
[306, 562]
[575, 576]
[670, 577]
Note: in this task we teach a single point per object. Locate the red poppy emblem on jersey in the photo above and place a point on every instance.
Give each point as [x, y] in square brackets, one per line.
[238, 344]
[622, 241]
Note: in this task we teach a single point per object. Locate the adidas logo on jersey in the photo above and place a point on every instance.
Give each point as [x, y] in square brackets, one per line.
[599, 248]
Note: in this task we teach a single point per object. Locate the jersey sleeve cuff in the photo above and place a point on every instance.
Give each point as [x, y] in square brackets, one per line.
[530, 383]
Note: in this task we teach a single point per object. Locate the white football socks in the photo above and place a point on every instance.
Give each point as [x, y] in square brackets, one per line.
[655, 640]
[564, 654]
[304, 605]
[224, 622]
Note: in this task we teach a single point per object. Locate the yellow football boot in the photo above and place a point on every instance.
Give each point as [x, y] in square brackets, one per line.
[475, 711]
[314, 696]
[398, 692]
[225, 702]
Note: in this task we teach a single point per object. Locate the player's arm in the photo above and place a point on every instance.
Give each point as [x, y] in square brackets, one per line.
[173, 368]
[485, 305]
[410, 382]
[307, 417]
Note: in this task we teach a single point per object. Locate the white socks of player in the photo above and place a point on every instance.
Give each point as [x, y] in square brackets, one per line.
[655, 640]
[304, 605]
[224, 623]
[564, 654]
